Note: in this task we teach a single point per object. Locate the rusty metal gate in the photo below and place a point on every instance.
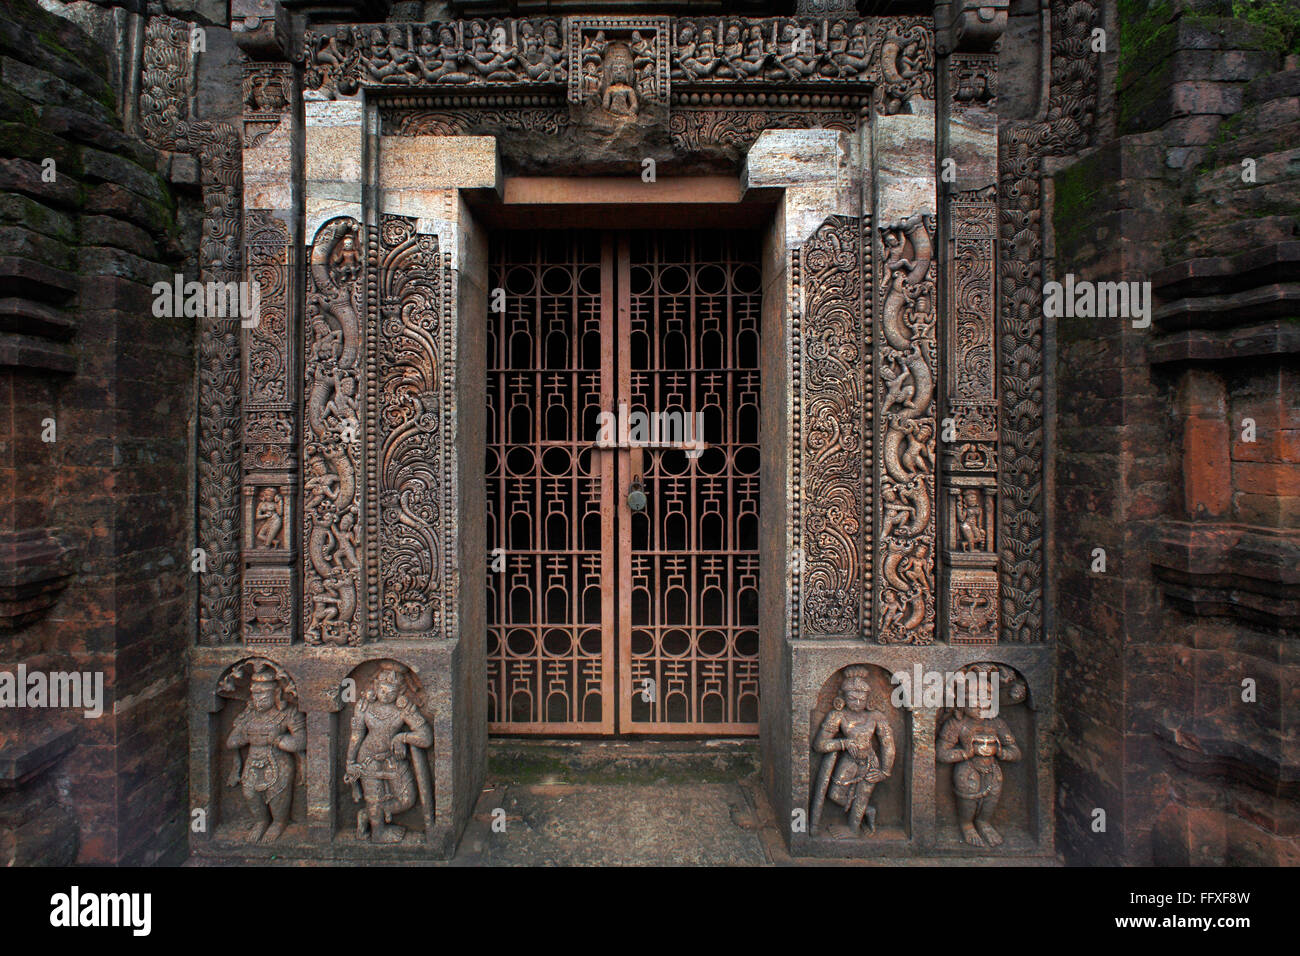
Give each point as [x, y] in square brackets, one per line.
[622, 483]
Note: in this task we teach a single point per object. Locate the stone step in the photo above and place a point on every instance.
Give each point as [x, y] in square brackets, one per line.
[526, 761]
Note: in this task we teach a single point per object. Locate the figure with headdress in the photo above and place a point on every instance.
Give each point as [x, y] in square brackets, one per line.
[386, 764]
[275, 733]
[852, 766]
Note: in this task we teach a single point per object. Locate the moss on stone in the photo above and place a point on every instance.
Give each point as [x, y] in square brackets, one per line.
[1077, 191]
[1280, 18]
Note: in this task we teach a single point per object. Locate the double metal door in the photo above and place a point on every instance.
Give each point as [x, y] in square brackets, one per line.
[622, 483]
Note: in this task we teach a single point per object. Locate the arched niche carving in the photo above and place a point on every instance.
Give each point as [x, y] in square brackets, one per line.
[260, 753]
[385, 751]
[986, 773]
[845, 801]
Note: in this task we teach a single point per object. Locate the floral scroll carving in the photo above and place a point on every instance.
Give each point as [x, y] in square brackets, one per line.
[835, 405]
[412, 408]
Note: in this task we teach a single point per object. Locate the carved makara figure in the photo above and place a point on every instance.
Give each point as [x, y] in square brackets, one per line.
[977, 745]
[386, 764]
[274, 731]
[852, 767]
[332, 417]
[906, 417]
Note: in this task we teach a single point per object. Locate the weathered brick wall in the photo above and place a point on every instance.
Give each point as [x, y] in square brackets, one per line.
[96, 523]
[1198, 525]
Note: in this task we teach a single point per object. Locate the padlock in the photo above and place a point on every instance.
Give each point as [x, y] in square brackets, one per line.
[636, 499]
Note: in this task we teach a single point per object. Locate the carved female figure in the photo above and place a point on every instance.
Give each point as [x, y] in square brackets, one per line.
[970, 514]
[851, 767]
[274, 732]
[269, 518]
[383, 772]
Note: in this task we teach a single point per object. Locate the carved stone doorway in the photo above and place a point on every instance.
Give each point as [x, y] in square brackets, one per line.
[622, 483]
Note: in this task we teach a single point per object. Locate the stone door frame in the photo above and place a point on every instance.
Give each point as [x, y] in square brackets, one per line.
[856, 568]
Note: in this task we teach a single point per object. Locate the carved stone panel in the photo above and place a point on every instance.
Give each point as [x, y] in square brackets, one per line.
[618, 65]
[834, 440]
[987, 795]
[906, 402]
[333, 435]
[860, 747]
[265, 735]
[267, 90]
[412, 420]
[385, 751]
[458, 54]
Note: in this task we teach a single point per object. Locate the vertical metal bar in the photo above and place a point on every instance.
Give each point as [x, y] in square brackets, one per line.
[609, 499]
[624, 518]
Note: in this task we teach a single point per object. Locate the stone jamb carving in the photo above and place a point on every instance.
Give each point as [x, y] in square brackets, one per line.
[166, 92]
[833, 395]
[969, 475]
[333, 437]
[1066, 126]
[415, 510]
[270, 451]
[906, 353]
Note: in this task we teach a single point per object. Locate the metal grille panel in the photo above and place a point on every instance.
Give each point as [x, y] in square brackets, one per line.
[691, 558]
[584, 595]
